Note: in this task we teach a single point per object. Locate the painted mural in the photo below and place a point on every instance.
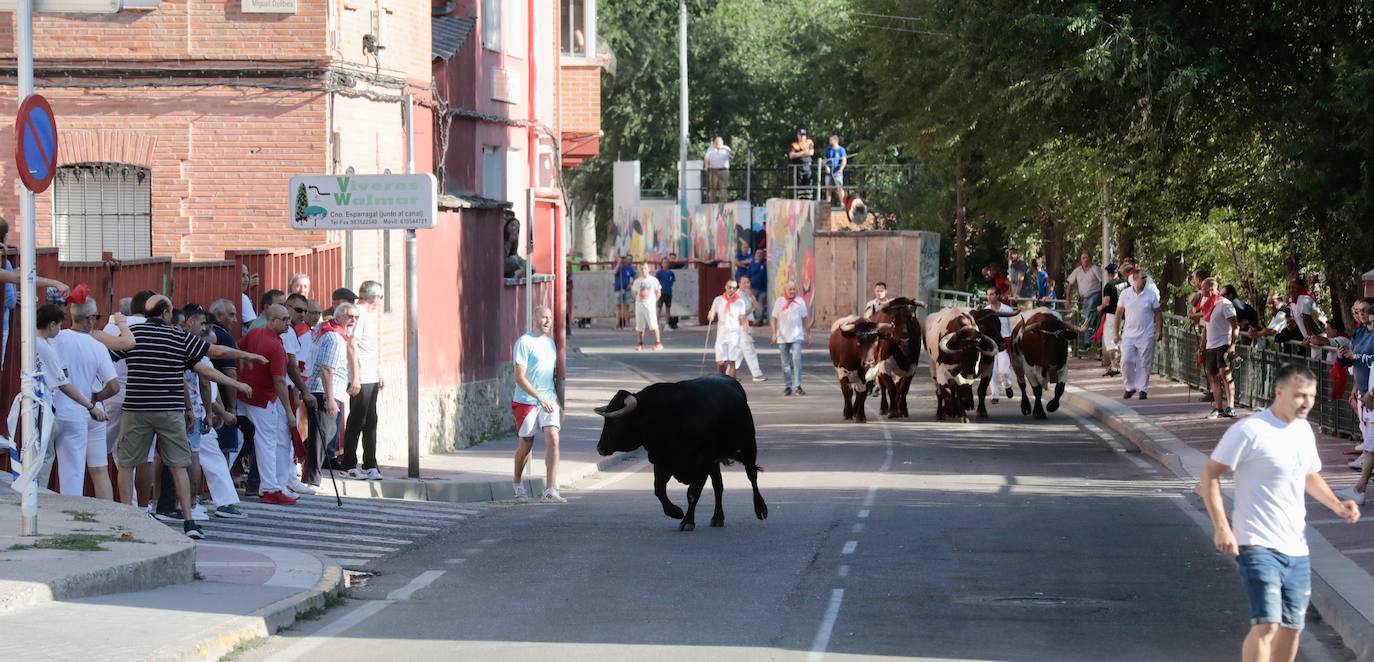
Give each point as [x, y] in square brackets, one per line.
[715, 230]
[649, 231]
[791, 230]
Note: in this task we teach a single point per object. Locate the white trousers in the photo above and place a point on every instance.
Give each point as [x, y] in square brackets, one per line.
[1001, 371]
[80, 443]
[272, 445]
[751, 355]
[216, 470]
[1137, 358]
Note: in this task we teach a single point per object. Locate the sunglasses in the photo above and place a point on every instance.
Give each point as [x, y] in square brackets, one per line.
[299, 310]
[352, 317]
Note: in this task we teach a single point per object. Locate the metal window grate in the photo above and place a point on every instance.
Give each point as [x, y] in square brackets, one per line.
[100, 207]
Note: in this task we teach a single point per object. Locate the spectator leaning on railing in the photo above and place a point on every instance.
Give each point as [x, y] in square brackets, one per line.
[1086, 281]
[1360, 355]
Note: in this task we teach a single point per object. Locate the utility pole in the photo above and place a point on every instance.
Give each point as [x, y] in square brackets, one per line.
[682, 115]
[412, 317]
[28, 294]
[1106, 224]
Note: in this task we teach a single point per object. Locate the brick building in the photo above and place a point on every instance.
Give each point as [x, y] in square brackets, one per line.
[180, 125]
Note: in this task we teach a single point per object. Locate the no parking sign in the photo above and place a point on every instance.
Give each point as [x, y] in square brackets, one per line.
[35, 143]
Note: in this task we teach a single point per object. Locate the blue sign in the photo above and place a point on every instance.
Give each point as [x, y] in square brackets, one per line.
[35, 143]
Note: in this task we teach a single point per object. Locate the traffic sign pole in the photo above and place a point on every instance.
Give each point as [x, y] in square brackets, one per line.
[28, 291]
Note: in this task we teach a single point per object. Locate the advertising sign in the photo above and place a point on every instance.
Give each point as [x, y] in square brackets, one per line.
[363, 202]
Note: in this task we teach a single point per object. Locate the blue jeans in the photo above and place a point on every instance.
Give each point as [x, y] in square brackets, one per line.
[1088, 305]
[791, 363]
[1278, 585]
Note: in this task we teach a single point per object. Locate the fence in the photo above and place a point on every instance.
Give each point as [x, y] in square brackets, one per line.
[879, 184]
[1253, 369]
[183, 282]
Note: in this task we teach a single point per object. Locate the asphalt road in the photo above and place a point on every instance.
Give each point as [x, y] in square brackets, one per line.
[1007, 539]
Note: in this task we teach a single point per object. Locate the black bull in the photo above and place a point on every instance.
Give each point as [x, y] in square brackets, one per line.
[689, 429]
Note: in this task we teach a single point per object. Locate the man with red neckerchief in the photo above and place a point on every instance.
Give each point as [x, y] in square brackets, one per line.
[730, 308]
[791, 320]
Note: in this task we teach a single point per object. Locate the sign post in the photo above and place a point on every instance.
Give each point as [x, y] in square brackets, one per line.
[28, 291]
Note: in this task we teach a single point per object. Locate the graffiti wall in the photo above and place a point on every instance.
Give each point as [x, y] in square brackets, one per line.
[791, 230]
[647, 231]
[715, 229]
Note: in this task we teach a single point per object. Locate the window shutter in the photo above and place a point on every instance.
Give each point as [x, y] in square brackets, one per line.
[100, 207]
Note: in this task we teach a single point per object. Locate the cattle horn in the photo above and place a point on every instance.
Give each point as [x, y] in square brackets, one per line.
[945, 344]
[987, 346]
[630, 404]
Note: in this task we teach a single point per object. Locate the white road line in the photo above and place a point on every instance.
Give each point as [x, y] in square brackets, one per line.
[863, 514]
[849, 547]
[857, 528]
[303, 542]
[822, 640]
[887, 442]
[489, 541]
[353, 618]
[235, 564]
[455, 561]
[473, 551]
[872, 492]
[844, 571]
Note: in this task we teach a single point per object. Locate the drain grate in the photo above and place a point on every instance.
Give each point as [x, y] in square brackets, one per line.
[356, 578]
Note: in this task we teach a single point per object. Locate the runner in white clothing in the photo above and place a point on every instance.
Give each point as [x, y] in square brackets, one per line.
[729, 311]
[1274, 456]
[747, 349]
[647, 291]
[1139, 326]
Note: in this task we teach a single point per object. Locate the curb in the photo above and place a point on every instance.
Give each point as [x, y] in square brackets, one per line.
[178, 567]
[1342, 592]
[215, 643]
[453, 491]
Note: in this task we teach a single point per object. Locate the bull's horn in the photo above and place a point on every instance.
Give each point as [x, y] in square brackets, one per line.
[630, 404]
[919, 304]
[987, 346]
[848, 327]
[944, 344]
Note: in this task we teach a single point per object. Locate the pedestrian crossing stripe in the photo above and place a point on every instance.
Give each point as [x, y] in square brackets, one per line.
[351, 536]
[274, 537]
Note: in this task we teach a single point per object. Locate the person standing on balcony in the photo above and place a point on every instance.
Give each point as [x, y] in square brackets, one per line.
[717, 159]
[799, 156]
[1085, 281]
[1022, 280]
[1139, 327]
[362, 408]
[836, 158]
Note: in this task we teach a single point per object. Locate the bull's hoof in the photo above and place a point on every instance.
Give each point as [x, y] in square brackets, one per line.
[1052, 406]
[1025, 408]
[717, 521]
[982, 412]
[673, 512]
[963, 419]
[1040, 414]
[686, 526]
[760, 508]
[848, 417]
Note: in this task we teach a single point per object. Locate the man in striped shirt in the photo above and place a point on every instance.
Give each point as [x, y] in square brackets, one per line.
[155, 401]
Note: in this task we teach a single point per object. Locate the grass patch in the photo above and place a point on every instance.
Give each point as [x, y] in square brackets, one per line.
[315, 613]
[242, 647]
[80, 515]
[75, 542]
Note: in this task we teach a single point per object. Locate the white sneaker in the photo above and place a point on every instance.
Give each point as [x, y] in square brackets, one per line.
[552, 496]
[198, 514]
[520, 494]
[1349, 493]
[760, 378]
[357, 474]
[1357, 464]
[374, 474]
[301, 488]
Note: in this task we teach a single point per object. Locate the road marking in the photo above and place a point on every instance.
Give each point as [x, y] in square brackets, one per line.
[355, 617]
[455, 561]
[863, 514]
[872, 492]
[473, 551]
[1111, 441]
[489, 541]
[822, 640]
[235, 564]
[858, 528]
[849, 547]
[887, 441]
[844, 571]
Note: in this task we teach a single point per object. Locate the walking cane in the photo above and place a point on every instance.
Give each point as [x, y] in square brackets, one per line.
[701, 367]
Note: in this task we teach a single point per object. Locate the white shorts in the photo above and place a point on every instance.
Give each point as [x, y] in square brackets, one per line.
[727, 350]
[1109, 332]
[536, 419]
[646, 319]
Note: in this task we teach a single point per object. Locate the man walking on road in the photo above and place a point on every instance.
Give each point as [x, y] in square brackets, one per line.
[1139, 326]
[646, 290]
[535, 404]
[748, 353]
[1274, 456]
[362, 407]
[791, 321]
[730, 309]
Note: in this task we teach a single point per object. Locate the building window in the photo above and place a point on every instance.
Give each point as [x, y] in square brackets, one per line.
[491, 25]
[103, 207]
[577, 29]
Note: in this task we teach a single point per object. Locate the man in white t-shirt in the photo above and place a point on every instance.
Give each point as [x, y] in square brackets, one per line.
[1221, 329]
[56, 381]
[646, 290]
[78, 435]
[748, 352]
[1274, 456]
[535, 403]
[361, 424]
[1086, 282]
[1139, 326]
[879, 299]
[791, 321]
[718, 170]
[729, 309]
[1001, 364]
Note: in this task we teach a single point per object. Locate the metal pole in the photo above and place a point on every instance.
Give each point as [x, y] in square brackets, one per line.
[28, 294]
[1106, 225]
[529, 260]
[682, 110]
[412, 318]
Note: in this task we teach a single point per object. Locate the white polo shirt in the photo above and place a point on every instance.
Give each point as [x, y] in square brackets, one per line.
[1139, 309]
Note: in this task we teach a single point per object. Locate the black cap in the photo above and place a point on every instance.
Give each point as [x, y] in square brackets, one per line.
[1111, 268]
[345, 294]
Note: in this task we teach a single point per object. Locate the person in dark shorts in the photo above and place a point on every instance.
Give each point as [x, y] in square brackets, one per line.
[666, 277]
[1222, 331]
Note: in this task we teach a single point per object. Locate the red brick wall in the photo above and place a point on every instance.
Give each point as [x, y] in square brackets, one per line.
[220, 160]
[580, 98]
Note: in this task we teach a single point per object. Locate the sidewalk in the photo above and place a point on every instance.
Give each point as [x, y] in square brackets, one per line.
[483, 472]
[1171, 427]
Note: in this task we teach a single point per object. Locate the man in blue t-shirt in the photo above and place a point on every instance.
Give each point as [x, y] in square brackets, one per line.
[535, 403]
[665, 278]
[836, 158]
[624, 277]
[758, 283]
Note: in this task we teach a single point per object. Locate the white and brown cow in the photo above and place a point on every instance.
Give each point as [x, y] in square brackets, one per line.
[898, 354]
[957, 352]
[1040, 355]
[853, 345]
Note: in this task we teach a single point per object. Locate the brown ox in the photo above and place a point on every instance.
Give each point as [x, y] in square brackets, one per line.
[897, 355]
[957, 351]
[1040, 354]
[990, 324]
[853, 344]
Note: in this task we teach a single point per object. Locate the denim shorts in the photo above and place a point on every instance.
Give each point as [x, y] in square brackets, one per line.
[1278, 585]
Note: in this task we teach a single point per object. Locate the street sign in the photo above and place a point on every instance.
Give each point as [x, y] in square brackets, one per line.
[363, 202]
[35, 143]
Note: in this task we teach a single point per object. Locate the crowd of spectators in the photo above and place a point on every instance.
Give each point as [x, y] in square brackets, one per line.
[200, 407]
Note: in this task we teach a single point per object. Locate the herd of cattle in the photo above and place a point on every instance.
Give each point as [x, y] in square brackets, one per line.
[881, 352]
